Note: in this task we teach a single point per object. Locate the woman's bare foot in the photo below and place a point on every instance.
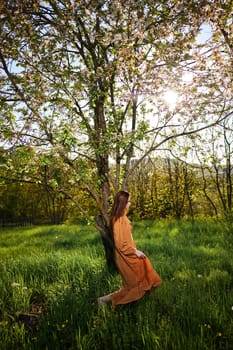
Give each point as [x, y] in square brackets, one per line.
[100, 302]
[103, 300]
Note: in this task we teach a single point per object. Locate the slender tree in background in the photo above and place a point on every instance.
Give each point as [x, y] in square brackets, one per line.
[82, 82]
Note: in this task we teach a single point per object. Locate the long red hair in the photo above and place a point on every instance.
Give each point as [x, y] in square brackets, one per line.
[119, 206]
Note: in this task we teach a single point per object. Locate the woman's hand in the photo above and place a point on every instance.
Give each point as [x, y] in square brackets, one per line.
[140, 254]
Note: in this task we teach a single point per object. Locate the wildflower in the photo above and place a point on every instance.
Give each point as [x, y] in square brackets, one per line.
[232, 308]
[199, 276]
[207, 325]
[219, 334]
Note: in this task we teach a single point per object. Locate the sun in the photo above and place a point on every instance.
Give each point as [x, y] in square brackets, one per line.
[171, 98]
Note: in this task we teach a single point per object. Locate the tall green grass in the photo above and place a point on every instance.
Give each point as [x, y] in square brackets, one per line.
[62, 269]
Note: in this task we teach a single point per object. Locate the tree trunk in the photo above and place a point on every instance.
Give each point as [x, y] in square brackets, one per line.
[108, 242]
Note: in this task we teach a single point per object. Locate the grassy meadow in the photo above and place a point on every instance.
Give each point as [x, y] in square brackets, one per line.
[52, 275]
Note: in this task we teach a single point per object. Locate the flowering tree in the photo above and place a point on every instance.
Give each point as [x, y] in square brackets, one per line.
[82, 82]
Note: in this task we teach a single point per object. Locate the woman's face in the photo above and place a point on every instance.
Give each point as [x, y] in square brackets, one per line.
[128, 203]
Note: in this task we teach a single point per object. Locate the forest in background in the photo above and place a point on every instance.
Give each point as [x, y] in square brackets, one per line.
[160, 188]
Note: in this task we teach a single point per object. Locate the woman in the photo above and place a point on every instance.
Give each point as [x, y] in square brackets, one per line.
[136, 271]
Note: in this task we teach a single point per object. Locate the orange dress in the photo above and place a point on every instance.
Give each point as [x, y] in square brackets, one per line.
[138, 275]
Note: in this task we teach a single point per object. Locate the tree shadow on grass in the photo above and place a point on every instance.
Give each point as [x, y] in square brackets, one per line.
[68, 309]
